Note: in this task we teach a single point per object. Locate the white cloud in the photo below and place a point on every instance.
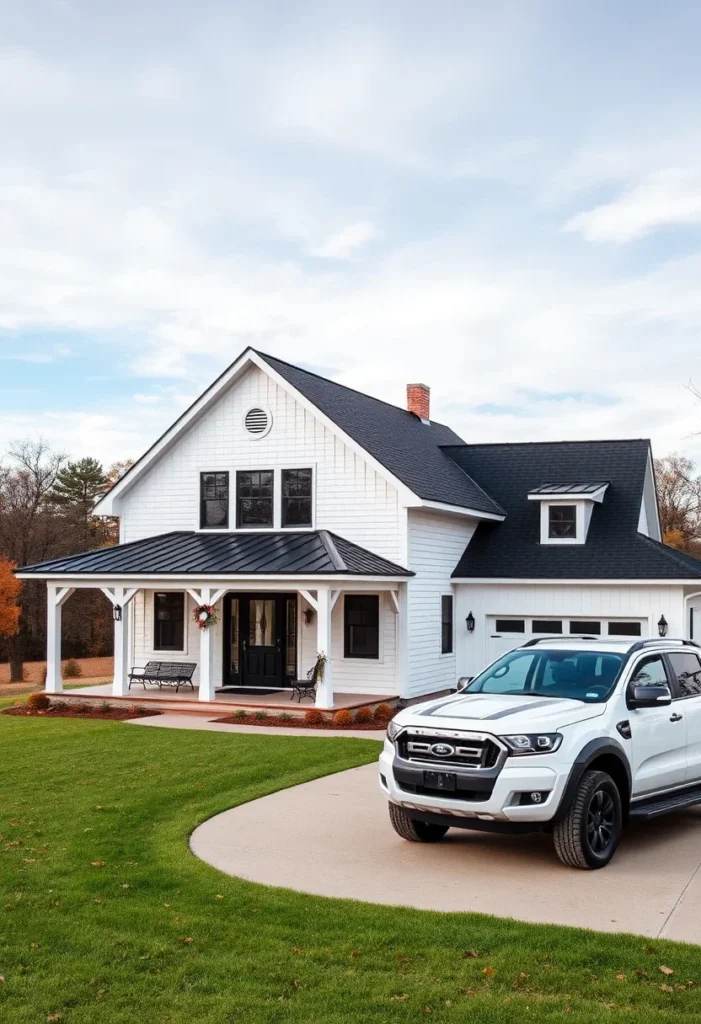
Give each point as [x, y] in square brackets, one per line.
[345, 243]
[666, 198]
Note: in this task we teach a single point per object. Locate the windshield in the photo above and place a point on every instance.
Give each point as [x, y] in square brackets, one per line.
[577, 675]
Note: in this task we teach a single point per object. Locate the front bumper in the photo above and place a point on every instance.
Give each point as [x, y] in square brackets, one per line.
[502, 790]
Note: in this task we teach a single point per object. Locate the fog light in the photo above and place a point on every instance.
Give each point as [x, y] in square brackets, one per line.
[536, 798]
[529, 799]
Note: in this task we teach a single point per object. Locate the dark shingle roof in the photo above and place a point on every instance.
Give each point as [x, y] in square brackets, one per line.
[409, 449]
[613, 550]
[317, 552]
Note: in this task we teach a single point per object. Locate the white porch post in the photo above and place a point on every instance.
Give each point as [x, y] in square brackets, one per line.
[324, 690]
[120, 598]
[206, 595]
[55, 597]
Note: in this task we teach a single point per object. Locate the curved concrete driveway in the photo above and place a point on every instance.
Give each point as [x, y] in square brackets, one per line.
[332, 837]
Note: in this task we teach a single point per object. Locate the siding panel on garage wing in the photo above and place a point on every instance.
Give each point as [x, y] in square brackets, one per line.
[350, 497]
[436, 543]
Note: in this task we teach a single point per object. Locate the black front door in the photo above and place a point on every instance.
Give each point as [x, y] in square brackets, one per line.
[260, 640]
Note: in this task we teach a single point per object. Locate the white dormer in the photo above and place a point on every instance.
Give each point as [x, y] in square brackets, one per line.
[565, 510]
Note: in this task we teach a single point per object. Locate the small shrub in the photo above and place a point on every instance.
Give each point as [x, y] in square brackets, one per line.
[105, 707]
[383, 713]
[260, 714]
[59, 705]
[285, 716]
[314, 717]
[72, 670]
[363, 715]
[240, 713]
[81, 707]
[342, 719]
[38, 702]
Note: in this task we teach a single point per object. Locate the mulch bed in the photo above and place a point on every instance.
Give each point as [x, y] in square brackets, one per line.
[71, 711]
[298, 722]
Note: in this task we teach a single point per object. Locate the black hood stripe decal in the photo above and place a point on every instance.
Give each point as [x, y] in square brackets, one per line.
[520, 707]
[460, 700]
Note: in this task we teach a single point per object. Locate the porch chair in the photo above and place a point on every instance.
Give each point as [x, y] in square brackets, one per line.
[307, 687]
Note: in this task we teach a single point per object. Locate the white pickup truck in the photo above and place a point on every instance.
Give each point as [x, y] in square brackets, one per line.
[572, 735]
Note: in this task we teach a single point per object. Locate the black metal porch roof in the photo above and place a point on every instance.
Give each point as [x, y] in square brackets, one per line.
[308, 553]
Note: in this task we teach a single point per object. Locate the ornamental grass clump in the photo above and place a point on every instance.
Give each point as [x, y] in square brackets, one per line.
[383, 713]
[105, 707]
[260, 714]
[240, 713]
[285, 716]
[314, 717]
[38, 702]
[363, 716]
[342, 719]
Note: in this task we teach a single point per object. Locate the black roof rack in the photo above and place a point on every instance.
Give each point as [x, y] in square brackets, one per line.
[559, 636]
[640, 644]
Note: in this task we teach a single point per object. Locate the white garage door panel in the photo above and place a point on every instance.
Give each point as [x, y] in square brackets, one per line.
[506, 633]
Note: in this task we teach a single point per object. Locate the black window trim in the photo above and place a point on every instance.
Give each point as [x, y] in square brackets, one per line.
[215, 472]
[653, 656]
[562, 505]
[451, 650]
[245, 529]
[362, 657]
[169, 650]
[292, 469]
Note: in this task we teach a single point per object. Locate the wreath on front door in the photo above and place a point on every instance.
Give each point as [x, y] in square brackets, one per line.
[205, 615]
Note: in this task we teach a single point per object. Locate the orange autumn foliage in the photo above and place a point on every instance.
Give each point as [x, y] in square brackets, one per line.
[10, 588]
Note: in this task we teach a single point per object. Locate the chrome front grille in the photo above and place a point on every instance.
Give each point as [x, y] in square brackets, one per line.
[470, 751]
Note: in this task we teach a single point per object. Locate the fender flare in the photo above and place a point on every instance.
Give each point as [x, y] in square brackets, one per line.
[587, 755]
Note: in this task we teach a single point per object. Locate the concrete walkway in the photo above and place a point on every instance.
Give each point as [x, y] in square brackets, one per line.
[178, 721]
[332, 837]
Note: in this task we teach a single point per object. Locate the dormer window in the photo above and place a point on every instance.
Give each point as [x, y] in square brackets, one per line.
[562, 522]
[566, 509]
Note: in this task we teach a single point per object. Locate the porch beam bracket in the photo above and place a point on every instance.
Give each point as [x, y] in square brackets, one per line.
[61, 595]
[218, 595]
[196, 595]
[394, 594]
[309, 599]
[334, 596]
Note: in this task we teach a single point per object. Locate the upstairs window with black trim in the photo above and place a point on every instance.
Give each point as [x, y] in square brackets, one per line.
[169, 621]
[361, 626]
[214, 501]
[562, 522]
[446, 623]
[254, 498]
[296, 497]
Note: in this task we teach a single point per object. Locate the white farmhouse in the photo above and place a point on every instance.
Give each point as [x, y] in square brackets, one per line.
[316, 519]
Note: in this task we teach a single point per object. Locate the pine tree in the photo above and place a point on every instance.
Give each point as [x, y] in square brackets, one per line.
[79, 484]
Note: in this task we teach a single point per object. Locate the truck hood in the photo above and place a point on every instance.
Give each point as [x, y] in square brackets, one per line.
[499, 714]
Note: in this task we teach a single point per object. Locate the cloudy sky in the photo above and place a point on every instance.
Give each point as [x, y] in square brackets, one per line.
[502, 200]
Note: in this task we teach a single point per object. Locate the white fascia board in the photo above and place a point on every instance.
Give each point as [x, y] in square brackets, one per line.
[511, 581]
[106, 505]
[459, 510]
[213, 579]
[407, 495]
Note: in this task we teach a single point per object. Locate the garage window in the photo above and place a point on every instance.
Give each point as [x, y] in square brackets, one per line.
[624, 629]
[582, 626]
[510, 625]
[547, 626]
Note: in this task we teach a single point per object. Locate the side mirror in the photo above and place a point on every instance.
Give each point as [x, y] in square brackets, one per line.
[463, 683]
[649, 696]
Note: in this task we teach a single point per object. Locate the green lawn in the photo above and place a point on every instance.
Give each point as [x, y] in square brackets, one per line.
[105, 915]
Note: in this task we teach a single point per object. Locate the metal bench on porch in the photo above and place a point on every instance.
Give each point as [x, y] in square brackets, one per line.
[165, 673]
[307, 687]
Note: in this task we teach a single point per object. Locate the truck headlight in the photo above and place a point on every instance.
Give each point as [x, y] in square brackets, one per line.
[392, 730]
[533, 743]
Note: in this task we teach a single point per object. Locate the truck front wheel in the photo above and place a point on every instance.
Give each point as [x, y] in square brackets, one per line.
[414, 831]
[587, 836]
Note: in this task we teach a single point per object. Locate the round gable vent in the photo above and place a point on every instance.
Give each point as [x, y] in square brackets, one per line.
[258, 421]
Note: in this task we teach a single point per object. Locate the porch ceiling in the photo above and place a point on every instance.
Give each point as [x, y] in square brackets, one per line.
[192, 553]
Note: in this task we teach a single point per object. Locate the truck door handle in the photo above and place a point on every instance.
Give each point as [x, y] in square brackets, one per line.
[675, 717]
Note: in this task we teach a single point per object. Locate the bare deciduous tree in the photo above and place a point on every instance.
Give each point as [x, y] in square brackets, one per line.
[679, 495]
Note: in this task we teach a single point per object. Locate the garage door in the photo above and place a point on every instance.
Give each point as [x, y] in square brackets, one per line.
[505, 633]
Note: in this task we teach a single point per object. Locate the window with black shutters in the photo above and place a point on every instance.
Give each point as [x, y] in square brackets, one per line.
[296, 497]
[214, 501]
[169, 621]
[562, 522]
[361, 626]
[446, 624]
[254, 498]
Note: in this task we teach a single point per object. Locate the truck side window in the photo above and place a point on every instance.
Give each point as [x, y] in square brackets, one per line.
[650, 672]
[687, 669]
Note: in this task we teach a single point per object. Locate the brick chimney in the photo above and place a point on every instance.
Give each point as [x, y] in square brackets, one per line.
[418, 401]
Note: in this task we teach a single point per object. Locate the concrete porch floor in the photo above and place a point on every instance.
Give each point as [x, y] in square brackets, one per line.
[187, 699]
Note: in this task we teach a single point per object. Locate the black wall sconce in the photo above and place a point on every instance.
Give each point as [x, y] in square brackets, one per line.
[662, 626]
[470, 623]
[308, 616]
[117, 612]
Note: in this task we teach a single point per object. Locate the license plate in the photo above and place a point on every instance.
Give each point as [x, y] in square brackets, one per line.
[440, 780]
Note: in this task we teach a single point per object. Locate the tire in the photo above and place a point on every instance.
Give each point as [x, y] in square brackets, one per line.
[414, 831]
[588, 834]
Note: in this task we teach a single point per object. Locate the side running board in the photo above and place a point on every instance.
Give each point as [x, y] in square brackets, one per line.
[644, 810]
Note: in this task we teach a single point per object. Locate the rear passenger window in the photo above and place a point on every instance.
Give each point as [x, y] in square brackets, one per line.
[687, 669]
[650, 672]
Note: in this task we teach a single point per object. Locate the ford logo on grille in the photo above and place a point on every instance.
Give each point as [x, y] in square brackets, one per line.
[442, 749]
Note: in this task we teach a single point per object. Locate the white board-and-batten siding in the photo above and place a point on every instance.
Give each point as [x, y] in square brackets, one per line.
[350, 497]
[436, 544]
